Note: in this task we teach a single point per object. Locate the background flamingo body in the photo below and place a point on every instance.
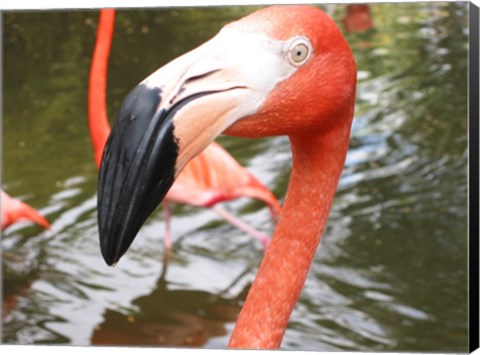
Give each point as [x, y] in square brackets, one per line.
[14, 210]
[213, 176]
[357, 18]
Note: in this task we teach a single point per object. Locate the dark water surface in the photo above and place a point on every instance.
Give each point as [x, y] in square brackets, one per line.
[391, 271]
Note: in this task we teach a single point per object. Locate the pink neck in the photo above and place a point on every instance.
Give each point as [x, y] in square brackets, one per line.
[97, 100]
[317, 165]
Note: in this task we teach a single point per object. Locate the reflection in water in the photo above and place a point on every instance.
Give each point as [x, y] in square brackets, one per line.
[391, 271]
[170, 317]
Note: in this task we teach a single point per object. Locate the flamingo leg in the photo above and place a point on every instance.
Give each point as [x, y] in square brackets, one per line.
[237, 222]
[167, 213]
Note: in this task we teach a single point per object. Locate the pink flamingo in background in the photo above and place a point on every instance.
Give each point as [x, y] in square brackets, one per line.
[357, 18]
[282, 70]
[14, 210]
[213, 176]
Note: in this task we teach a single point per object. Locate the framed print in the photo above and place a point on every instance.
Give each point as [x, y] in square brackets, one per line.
[295, 177]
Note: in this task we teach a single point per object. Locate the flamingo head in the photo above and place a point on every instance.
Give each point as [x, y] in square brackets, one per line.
[283, 70]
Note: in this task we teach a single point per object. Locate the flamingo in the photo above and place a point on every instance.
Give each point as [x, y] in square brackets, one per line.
[357, 18]
[14, 210]
[213, 176]
[282, 70]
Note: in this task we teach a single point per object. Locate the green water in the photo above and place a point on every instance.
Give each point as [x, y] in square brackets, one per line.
[391, 271]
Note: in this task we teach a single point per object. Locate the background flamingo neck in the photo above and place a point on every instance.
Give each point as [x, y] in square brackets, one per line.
[317, 165]
[97, 97]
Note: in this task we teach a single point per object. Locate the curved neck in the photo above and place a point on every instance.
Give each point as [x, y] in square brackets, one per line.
[317, 164]
[97, 100]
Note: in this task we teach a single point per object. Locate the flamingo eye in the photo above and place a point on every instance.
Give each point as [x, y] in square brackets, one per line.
[299, 52]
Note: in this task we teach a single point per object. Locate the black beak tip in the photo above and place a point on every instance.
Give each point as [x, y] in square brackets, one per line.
[110, 259]
[109, 252]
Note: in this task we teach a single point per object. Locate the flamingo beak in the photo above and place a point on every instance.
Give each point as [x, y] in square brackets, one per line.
[171, 117]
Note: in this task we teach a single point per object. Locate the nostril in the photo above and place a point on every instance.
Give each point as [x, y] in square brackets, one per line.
[191, 80]
[200, 76]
